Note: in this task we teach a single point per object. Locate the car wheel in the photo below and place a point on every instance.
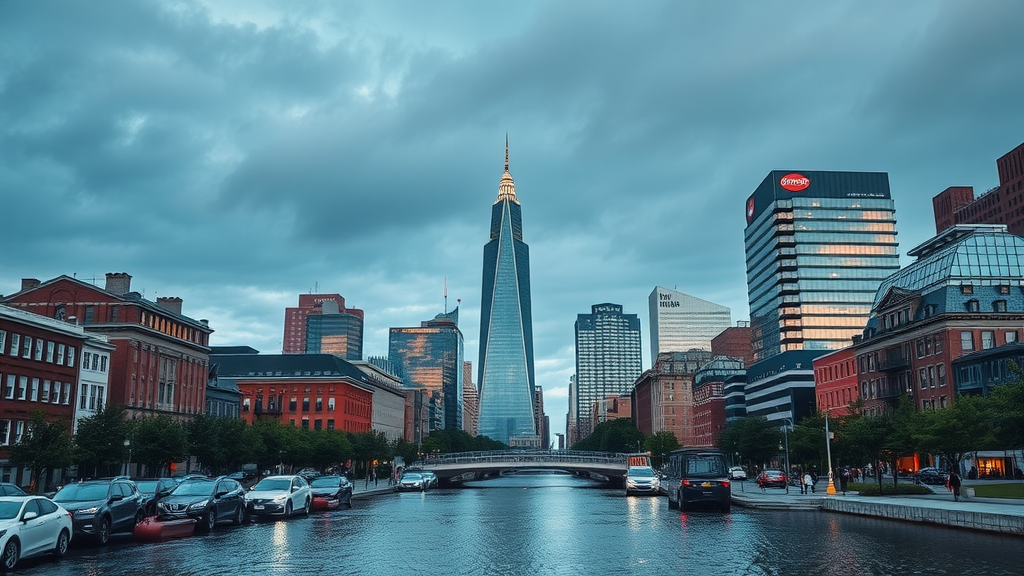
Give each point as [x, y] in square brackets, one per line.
[239, 516]
[103, 532]
[288, 508]
[211, 519]
[305, 509]
[61, 548]
[9, 558]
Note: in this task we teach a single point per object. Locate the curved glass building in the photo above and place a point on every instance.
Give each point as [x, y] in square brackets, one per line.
[506, 376]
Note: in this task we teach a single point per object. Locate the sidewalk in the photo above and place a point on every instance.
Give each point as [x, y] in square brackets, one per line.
[360, 491]
[989, 514]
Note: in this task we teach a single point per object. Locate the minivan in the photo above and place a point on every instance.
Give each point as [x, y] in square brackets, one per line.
[697, 476]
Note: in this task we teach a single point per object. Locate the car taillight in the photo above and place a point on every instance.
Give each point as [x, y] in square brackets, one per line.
[725, 483]
[686, 482]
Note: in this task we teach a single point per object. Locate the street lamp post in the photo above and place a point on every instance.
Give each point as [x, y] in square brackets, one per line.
[831, 490]
[128, 464]
[785, 436]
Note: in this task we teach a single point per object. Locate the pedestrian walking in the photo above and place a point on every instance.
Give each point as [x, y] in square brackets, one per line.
[953, 484]
[374, 477]
[808, 483]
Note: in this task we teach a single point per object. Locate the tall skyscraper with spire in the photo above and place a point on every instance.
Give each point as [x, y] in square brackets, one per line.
[506, 376]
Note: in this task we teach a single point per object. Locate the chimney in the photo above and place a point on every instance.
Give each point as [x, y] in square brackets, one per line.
[119, 283]
[29, 283]
[172, 304]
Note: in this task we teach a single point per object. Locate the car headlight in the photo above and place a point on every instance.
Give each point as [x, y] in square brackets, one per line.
[200, 504]
[281, 498]
[87, 511]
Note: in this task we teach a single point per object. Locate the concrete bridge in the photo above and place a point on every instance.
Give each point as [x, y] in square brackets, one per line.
[467, 466]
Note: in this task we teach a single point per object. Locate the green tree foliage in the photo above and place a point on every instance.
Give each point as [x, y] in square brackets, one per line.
[44, 446]
[755, 439]
[100, 449]
[956, 430]
[158, 441]
[1006, 408]
[220, 443]
[807, 443]
[450, 441]
[659, 444]
[619, 435]
[405, 449]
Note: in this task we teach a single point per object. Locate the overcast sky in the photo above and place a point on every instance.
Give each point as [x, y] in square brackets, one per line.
[238, 153]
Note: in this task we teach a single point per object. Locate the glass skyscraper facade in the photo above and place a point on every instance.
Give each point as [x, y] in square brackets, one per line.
[506, 376]
[607, 359]
[431, 356]
[335, 332]
[818, 245]
[680, 322]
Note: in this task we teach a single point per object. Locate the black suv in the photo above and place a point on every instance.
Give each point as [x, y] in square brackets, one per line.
[102, 507]
[208, 500]
[153, 489]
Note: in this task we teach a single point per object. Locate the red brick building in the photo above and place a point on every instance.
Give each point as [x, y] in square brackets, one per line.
[161, 357]
[835, 381]
[709, 414]
[310, 304]
[663, 396]
[1003, 204]
[734, 342]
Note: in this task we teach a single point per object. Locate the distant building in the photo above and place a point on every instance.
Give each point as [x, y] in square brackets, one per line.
[612, 408]
[160, 364]
[390, 399]
[431, 356]
[506, 373]
[734, 342]
[344, 333]
[835, 381]
[663, 396]
[470, 400]
[782, 386]
[607, 359]
[680, 322]
[709, 398]
[543, 426]
[1003, 204]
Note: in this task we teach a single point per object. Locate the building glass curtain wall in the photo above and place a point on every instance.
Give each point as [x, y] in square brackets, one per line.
[335, 332]
[506, 376]
[680, 322]
[431, 357]
[607, 358]
[818, 244]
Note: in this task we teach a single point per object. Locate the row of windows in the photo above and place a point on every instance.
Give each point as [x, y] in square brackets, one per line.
[929, 345]
[36, 390]
[37, 349]
[94, 361]
[91, 396]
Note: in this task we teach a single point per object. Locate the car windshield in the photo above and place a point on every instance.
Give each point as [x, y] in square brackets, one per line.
[641, 472]
[705, 466]
[326, 482]
[9, 510]
[146, 486]
[195, 488]
[81, 493]
[268, 484]
[411, 476]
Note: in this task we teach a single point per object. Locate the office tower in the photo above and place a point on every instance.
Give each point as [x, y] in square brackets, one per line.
[470, 400]
[607, 359]
[334, 331]
[431, 357]
[506, 377]
[818, 245]
[295, 319]
[680, 322]
[998, 205]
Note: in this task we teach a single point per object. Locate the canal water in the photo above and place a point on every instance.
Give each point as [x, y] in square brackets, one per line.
[553, 524]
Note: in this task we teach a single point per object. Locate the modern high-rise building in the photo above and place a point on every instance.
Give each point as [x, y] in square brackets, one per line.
[818, 245]
[334, 331]
[607, 359]
[470, 400]
[680, 322]
[506, 376]
[311, 304]
[431, 357]
[999, 205]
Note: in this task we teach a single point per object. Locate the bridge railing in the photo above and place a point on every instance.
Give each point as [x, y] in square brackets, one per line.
[539, 456]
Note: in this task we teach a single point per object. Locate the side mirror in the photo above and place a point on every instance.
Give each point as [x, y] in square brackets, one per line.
[116, 498]
[29, 516]
[220, 494]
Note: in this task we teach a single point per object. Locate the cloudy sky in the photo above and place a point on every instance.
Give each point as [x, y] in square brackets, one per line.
[239, 153]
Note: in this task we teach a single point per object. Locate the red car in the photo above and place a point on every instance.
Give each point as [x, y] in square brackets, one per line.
[772, 479]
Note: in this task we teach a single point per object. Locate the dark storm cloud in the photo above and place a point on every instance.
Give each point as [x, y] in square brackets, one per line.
[238, 153]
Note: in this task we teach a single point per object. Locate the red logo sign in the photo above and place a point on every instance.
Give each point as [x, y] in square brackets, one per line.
[795, 182]
[750, 209]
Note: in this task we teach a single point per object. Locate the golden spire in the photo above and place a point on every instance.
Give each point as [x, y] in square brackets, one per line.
[507, 188]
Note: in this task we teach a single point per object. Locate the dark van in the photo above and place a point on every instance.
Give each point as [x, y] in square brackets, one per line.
[697, 476]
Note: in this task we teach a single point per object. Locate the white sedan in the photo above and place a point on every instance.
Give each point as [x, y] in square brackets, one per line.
[30, 526]
[737, 473]
[279, 496]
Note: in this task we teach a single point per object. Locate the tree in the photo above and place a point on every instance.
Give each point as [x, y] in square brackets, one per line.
[660, 443]
[754, 438]
[100, 448]
[956, 430]
[1005, 407]
[158, 441]
[44, 445]
[619, 435]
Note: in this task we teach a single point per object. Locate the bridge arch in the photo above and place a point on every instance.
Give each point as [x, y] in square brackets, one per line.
[458, 468]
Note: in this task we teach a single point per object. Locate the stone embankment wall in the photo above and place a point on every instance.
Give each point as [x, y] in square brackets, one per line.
[987, 521]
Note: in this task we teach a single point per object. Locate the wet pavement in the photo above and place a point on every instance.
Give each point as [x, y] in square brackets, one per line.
[550, 524]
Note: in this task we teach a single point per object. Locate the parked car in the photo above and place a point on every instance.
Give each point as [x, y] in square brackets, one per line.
[208, 500]
[30, 526]
[772, 479]
[102, 507]
[336, 490]
[308, 474]
[698, 477]
[8, 489]
[279, 496]
[183, 477]
[152, 489]
[737, 473]
[642, 480]
[431, 479]
[931, 475]
[411, 481]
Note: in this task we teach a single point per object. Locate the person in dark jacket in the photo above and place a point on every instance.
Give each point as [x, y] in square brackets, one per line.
[953, 483]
